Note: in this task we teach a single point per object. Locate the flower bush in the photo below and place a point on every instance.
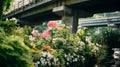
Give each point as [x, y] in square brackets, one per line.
[48, 45]
[57, 47]
[51, 45]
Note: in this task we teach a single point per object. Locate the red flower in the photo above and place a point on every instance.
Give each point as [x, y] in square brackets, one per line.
[52, 24]
[46, 34]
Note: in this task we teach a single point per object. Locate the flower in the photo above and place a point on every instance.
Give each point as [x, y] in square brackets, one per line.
[52, 24]
[59, 24]
[97, 32]
[50, 55]
[46, 47]
[46, 34]
[35, 33]
[59, 28]
[69, 27]
[31, 38]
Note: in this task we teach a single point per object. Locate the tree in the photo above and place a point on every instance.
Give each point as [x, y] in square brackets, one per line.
[4, 6]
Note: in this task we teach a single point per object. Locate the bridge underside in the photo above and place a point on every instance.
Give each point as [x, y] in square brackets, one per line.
[90, 6]
[98, 6]
[38, 18]
[79, 8]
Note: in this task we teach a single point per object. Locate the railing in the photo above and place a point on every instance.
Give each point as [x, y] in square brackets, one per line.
[24, 3]
[102, 21]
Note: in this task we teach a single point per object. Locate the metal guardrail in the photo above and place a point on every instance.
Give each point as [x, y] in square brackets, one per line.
[101, 21]
[24, 3]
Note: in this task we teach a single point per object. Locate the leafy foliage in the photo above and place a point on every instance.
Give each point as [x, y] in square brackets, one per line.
[5, 5]
[13, 51]
[109, 37]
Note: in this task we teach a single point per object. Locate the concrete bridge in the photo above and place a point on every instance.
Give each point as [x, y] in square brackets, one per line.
[36, 11]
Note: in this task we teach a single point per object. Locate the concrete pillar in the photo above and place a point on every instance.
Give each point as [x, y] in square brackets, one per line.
[71, 20]
[68, 16]
[75, 22]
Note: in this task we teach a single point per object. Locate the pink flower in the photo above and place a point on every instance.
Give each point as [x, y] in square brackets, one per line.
[52, 24]
[35, 33]
[46, 34]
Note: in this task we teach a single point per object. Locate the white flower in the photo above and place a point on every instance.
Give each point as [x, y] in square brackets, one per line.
[97, 32]
[78, 56]
[32, 44]
[44, 54]
[42, 62]
[69, 54]
[31, 38]
[13, 18]
[81, 43]
[36, 65]
[74, 54]
[75, 59]
[50, 55]
[65, 55]
[50, 28]
[67, 63]
[49, 64]
[38, 62]
[59, 24]
[83, 58]
[68, 59]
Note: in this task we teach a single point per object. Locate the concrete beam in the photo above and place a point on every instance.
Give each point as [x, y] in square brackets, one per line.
[70, 2]
[38, 11]
[62, 10]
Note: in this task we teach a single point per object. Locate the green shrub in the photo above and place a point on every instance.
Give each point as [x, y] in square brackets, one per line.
[13, 51]
[109, 37]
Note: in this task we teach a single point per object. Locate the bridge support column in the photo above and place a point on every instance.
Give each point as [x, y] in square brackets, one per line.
[68, 16]
[71, 20]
